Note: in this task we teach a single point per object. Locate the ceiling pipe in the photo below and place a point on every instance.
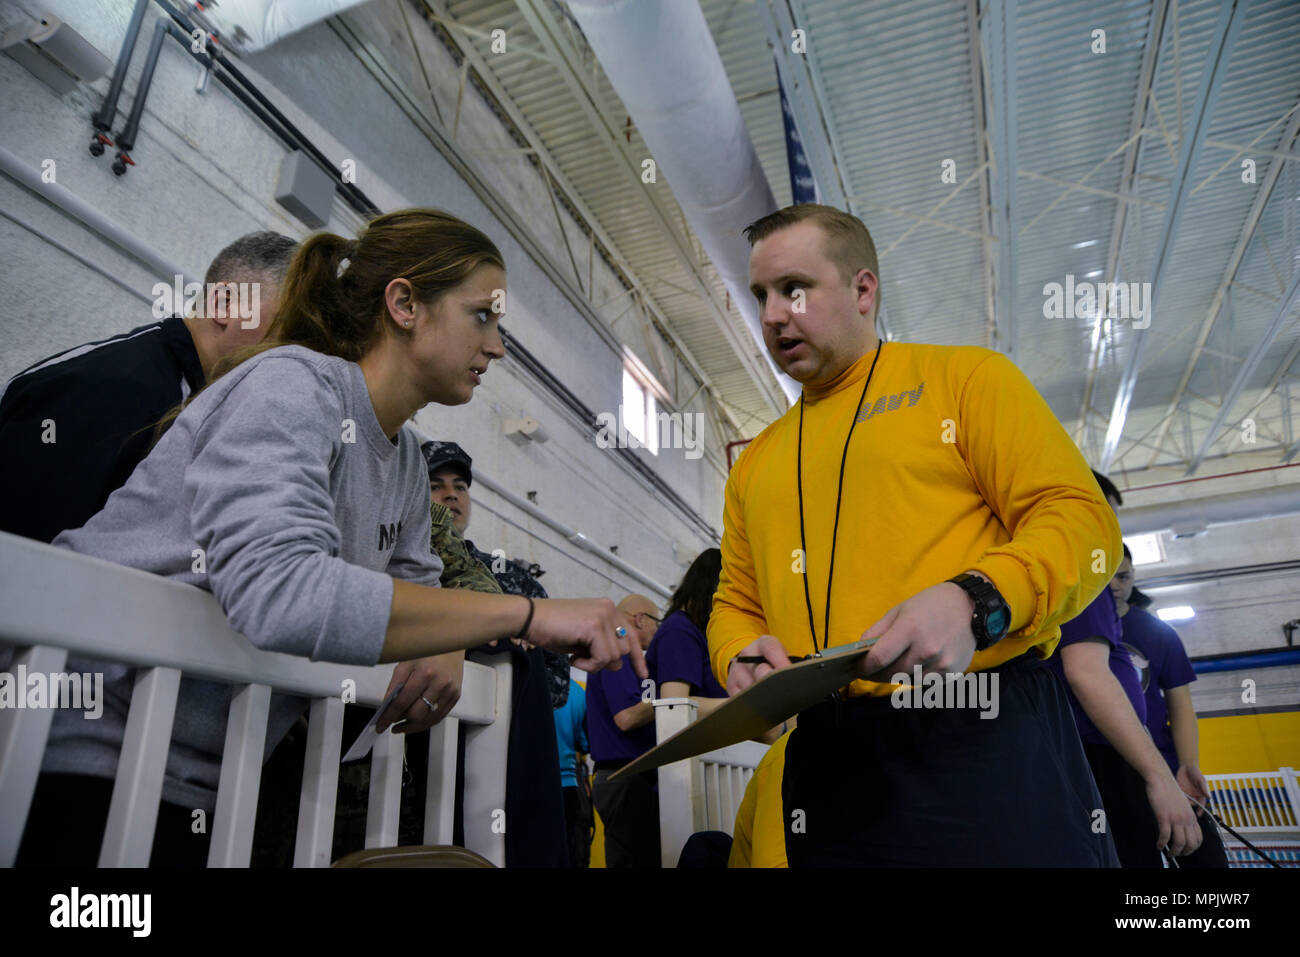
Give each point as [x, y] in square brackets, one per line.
[660, 57]
[1193, 517]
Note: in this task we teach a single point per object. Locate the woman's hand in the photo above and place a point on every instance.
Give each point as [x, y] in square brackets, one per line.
[425, 681]
[586, 628]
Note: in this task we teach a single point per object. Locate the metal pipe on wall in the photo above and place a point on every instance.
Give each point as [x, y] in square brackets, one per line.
[1257, 659]
[570, 535]
[84, 212]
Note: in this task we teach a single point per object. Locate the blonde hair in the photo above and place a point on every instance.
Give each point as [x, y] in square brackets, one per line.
[848, 242]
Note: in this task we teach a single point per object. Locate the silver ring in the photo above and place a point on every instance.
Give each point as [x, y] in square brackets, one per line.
[428, 702]
[620, 631]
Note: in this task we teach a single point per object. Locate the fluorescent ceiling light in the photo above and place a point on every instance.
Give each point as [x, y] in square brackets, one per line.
[1176, 613]
[1146, 549]
[1094, 274]
[1085, 244]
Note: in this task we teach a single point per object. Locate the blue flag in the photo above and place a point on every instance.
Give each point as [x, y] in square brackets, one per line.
[803, 188]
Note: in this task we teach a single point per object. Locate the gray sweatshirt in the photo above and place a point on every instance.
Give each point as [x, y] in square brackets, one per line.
[304, 512]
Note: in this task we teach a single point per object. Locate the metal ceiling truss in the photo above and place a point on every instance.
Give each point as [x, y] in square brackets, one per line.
[1281, 318]
[437, 11]
[1119, 229]
[982, 161]
[1262, 197]
[438, 134]
[1226, 30]
[566, 60]
[998, 39]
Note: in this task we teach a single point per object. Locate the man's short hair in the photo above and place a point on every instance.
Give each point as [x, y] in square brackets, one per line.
[1108, 488]
[263, 253]
[848, 242]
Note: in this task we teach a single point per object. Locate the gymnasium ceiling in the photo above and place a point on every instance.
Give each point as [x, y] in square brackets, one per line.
[1130, 165]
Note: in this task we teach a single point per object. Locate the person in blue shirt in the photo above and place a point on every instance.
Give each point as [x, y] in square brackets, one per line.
[1171, 719]
[571, 738]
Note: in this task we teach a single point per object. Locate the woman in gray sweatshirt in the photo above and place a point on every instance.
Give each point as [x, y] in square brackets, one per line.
[289, 489]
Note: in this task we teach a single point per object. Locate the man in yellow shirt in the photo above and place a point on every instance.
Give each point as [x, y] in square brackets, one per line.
[902, 468]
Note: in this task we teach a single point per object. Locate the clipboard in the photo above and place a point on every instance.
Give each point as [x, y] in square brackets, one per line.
[765, 704]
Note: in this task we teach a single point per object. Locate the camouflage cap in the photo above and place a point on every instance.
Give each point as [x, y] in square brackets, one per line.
[443, 454]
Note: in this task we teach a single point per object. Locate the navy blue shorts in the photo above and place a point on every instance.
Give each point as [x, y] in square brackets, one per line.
[882, 786]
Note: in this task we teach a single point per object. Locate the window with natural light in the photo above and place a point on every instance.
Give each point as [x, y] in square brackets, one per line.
[639, 412]
[1146, 549]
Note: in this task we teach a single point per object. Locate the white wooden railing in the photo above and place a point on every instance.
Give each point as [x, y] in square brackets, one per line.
[703, 793]
[1264, 802]
[1264, 807]
[53, 602]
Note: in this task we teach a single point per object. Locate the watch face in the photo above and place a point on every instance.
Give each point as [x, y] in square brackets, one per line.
[997, 623]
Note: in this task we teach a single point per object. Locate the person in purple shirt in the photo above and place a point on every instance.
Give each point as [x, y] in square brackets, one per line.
[1144, 808]
[620, 728]
[1171, 719]
[681, 650]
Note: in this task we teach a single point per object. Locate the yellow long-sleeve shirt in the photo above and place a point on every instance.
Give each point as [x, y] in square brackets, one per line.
[956, 463]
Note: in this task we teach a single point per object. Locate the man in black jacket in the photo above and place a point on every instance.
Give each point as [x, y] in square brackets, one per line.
[74, 426]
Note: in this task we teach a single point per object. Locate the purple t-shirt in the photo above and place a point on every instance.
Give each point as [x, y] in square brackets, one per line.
[1170, 668]
[1099, 620]
[608, 693]
[682, 654]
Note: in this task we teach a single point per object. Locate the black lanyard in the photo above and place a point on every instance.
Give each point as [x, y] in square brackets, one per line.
[839, 491]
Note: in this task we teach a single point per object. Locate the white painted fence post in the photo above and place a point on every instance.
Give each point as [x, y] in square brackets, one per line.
[678, 782]
[320, 783]
[440, 797]
[385, 790]
[133, 812]
[1292, 789]
[241, 777]
[23, 735]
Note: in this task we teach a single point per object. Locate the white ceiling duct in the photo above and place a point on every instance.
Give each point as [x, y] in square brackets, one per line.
[660, 58]
[246, 26]
[1186, 519]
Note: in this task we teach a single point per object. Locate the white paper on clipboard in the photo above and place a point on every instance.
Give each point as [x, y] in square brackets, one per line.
[368, 736]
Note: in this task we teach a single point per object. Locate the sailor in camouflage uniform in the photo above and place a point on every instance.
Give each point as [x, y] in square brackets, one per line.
[537, 835]
[467, 567]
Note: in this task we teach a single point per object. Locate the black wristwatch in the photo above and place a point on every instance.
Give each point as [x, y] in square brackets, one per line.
[992, 617]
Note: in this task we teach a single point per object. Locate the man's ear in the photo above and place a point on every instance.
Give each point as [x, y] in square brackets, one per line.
[219, 303]
[866, 286]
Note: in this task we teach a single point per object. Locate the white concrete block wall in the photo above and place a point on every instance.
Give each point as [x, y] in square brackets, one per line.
[206, 173]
